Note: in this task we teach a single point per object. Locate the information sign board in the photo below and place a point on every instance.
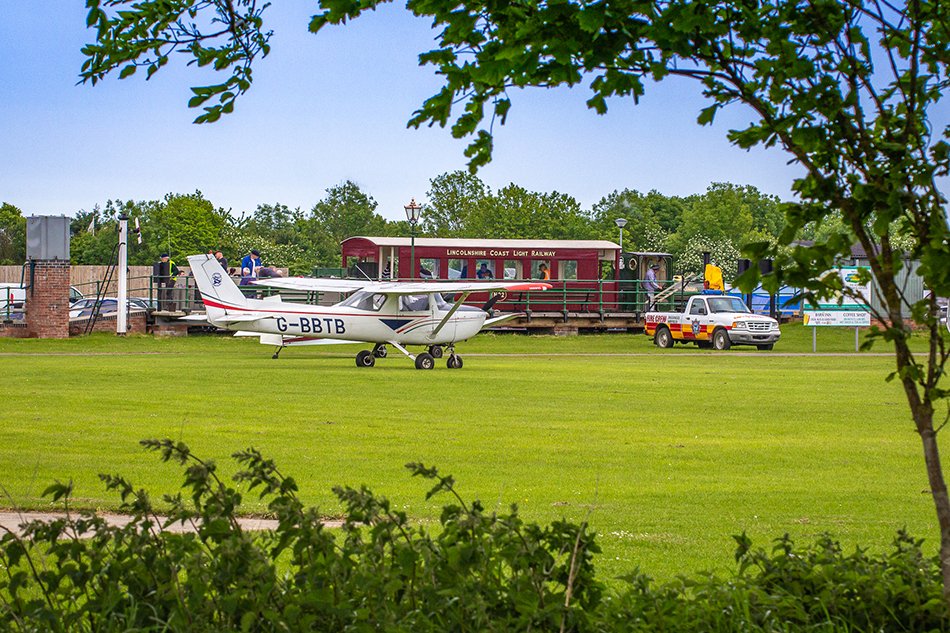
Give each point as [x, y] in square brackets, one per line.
[836, 318]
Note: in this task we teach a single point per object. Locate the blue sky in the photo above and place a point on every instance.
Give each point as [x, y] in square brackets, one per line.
[324, 109]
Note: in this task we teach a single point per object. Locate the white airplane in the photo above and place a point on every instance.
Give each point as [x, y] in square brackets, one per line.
[393, 313]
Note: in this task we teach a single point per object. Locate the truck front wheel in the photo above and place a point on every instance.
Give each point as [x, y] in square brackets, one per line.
[721, 340]
[663, 338]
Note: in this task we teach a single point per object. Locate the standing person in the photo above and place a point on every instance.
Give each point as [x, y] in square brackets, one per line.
[252, 262]
[218, 255]
[651, 285]
[164, 275]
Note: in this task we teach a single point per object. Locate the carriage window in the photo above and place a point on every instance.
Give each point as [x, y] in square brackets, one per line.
[567, 269]
[485, 269]
[363, 300]
[413, 303]
[540, 269]
[513, 269]
[429, 268]
[458, 269]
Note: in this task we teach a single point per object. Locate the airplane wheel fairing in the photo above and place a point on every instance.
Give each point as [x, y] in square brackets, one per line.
[365, 359]
[454, 362]
[425, 361]
[663, 338]
[435, 351]
[721, 340]
[380, 351]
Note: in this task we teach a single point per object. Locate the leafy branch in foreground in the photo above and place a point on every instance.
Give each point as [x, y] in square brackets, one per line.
[220, 34]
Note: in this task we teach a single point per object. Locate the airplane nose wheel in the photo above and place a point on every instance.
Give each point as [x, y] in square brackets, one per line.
[454, 362]
[366, 359]
[380, 350]
[425, 361]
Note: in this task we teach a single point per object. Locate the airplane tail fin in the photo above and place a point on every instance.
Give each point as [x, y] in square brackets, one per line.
[218, 291]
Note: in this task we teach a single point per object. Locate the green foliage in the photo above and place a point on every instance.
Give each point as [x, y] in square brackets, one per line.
[12, 235]
[346, 211]
[181, 224]
[482, 571]
[478, 571]
[453, 199]
[515, 212]
[649, 218]
[132, 34]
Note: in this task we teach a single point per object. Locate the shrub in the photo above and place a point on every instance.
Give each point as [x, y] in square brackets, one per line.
[480, 572]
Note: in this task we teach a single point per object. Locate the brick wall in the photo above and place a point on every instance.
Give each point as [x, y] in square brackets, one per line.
[47, 302]
[14, 329]
[136, 324]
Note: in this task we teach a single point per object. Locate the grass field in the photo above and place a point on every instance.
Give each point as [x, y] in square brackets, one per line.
[666, 452]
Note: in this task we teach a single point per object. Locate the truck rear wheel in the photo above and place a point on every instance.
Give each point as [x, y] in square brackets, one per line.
[721, 340]
[663, 338]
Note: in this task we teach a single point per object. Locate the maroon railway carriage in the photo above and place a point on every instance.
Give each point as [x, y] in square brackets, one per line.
[583, 272]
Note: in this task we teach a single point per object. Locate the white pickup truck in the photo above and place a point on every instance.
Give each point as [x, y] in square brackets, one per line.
[717, 321]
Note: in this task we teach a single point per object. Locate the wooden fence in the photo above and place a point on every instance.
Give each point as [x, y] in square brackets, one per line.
[88, 278]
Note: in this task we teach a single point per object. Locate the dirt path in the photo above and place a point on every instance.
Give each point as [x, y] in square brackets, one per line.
[13, 520]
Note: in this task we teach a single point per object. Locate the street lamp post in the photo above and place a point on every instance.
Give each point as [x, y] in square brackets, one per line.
[621, 222]
[412, 215]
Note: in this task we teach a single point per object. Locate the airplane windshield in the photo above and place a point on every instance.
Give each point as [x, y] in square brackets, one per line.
[365, 300]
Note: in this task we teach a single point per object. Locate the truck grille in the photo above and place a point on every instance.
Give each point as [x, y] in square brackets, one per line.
[759, 326]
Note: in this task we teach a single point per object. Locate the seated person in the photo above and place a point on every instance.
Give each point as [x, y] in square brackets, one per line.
[484, 273]
[265, 272]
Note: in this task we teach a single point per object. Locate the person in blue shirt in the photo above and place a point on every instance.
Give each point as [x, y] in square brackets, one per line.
[651, 285]
[252, 262]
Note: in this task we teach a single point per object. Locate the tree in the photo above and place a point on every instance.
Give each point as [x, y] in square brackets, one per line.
[454, 197]
[344, 212]
[845, 88]
[181, 224]
[12, 235]
[644, 231]
[514, 212]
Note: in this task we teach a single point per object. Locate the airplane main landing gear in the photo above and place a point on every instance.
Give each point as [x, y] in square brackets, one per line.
[365, 359]
[380, 351]
[425, 361]
[435, 351]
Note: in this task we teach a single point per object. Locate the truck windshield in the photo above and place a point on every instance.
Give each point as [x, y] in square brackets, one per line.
[727, 304]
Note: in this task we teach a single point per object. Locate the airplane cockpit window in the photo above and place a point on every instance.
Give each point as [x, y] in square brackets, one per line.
[364, 300]
[413, 303]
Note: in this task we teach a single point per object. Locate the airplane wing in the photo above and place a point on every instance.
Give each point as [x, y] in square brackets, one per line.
[312, 284]
[501, 319]
[400, 287]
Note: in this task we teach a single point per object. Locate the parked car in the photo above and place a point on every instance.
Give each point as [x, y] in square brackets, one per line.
[13, 296]
[109, 305]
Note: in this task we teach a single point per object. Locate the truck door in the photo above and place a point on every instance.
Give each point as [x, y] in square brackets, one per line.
[700, 325]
